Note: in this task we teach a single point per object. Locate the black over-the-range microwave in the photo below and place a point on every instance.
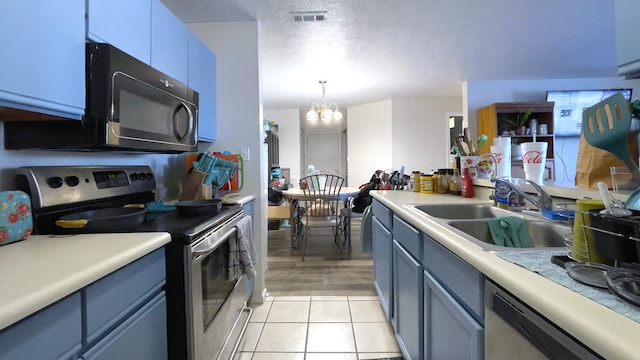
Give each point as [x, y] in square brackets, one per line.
[130, 106]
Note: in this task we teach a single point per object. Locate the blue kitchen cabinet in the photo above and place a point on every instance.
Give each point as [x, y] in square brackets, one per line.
[382, 245]
[202, 78]
[627, 38]
[53, 333]
[453, 305]
[169, 43]
[125, 24]
[42, 66]
[407, 302]
[450, 332]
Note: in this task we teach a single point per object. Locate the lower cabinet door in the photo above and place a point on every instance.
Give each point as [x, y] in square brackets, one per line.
[450, 332]
[143, 336]
[407, 302]
[382, 244]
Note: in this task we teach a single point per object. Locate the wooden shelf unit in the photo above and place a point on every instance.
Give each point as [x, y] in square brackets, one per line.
[488, 123]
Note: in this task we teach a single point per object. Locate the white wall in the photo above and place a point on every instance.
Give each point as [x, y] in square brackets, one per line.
[483, 93]
[369, 141]
[420, 129]
[237, 48]
[288, 121]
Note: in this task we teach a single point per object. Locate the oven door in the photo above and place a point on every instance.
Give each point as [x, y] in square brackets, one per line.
[217, 292]
[150, 115]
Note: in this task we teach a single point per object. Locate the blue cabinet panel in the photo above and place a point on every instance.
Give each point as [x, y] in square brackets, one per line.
[125, 24]
[627, 36]
[169, 43]
[450, 332]
[53, 333]
[407, 302]
[408, 237]
[382, 257]
[142, 336]
[42, 63]
[383, 213]
[202, 78]
[461, 279]
[116, 296]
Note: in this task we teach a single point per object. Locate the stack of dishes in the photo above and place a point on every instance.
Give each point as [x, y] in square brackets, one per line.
[582, 247]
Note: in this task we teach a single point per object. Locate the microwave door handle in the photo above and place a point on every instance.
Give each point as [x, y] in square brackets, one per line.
[175, 121]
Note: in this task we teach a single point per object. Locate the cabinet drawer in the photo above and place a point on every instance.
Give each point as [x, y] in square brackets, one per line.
[118, 295]
[462, 280]
[53, 333]
[382, 213]
[408, 237]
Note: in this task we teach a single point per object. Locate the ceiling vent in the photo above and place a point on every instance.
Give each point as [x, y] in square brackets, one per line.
[307, 16]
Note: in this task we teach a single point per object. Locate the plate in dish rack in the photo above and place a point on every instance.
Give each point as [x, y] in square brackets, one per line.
[589, 274]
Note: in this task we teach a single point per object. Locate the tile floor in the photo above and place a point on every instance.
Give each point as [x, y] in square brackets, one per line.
[318, 328]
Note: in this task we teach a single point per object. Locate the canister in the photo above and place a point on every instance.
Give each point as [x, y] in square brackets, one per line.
[415, 179]
[426, 184]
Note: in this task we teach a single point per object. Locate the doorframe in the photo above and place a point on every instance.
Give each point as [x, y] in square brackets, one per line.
[448, 115]
[340, 150]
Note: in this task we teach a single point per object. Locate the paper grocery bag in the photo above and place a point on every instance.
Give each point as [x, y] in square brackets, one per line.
[594, 165]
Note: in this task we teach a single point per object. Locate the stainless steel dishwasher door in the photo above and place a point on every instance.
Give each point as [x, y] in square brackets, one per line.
[514, 331]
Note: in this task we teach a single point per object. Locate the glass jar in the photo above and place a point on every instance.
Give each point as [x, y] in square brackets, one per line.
[436, 180]
[443, 181]
[455, 183]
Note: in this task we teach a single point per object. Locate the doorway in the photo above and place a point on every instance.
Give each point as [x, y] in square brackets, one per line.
[324, 152]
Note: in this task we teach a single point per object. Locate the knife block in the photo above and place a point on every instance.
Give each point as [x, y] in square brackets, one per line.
[194, 188]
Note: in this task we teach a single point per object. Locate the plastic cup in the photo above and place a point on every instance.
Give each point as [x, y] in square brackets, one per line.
[534, 159]
[502, 154]
[471, 163]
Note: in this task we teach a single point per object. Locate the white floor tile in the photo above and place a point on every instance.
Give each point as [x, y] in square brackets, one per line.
[331, 356]
[329, 311]
[375, 337]
[367, 311]
[292, 298]
[330, 337]
[278, 356]
[329, 298]
[283, 337]
[260, 311]
[289, 311]
[251, 336]
[363, 298]
[366, 356]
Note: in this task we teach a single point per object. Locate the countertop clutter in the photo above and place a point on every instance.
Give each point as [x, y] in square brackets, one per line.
[45, 268]
[609, 333]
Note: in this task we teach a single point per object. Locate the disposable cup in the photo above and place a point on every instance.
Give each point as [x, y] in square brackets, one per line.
[502, 154]
[471, 163]
[534, 157]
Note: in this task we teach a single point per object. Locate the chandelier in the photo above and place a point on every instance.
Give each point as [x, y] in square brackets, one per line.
[324, 110]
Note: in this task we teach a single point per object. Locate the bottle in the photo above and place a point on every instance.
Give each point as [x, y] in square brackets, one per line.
[455, 183]
[443, 181]
[466, 188]
[426, 184]
[415, 178]
[436, 181]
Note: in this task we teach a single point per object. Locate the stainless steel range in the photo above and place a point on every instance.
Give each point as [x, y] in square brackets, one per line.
[206, 302]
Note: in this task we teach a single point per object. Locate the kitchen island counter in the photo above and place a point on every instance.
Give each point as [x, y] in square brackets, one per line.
[611, 335]
[43, 269]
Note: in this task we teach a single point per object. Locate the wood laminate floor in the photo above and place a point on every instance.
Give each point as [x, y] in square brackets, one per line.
[324, 272]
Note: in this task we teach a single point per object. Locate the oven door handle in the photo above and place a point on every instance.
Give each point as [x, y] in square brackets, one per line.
[212, 247]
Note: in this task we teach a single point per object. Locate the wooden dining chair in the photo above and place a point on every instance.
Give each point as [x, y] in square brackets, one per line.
[321, 205]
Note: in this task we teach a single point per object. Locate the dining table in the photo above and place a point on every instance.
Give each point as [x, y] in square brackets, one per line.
[295, 195]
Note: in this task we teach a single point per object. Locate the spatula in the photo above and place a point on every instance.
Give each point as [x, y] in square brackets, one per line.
[605, 125]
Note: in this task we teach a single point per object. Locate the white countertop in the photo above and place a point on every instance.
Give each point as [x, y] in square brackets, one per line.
[237, 198]
[43, 269]
[608, 333]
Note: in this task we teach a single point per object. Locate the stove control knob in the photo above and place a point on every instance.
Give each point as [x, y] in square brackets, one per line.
[149, 176]
[72, 180]
[133, 176]
[55, 182]
[141, 176]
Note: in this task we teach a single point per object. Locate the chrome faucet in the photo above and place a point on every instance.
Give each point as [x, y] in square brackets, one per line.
[542, 200]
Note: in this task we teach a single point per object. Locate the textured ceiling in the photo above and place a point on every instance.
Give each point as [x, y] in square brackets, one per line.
[370, 50]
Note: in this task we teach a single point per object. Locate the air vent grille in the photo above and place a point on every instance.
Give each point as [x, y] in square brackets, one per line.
[309, 16]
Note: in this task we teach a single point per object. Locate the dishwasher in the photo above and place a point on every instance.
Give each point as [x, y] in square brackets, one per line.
[512, 330]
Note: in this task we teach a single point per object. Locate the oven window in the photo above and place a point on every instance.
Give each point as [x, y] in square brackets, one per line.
[216, 285]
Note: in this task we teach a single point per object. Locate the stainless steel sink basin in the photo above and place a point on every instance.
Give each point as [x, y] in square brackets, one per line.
[463, 211]
[543, 233]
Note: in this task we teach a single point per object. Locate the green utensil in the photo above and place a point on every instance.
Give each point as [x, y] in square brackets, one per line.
[605, 125]
[482, 140]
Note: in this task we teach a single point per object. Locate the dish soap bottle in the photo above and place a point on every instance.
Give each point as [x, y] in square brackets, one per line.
[467, 184]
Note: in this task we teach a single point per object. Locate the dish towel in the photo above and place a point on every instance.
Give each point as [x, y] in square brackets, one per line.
[510, 231]
[366, 230]
[242, 251]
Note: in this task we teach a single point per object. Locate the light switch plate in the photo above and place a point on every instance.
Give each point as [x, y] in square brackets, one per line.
[245, 153]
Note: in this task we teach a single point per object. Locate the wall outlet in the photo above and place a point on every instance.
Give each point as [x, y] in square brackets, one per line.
[245, 153]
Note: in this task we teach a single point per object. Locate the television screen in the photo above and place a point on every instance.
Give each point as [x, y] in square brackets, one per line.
[569, 104]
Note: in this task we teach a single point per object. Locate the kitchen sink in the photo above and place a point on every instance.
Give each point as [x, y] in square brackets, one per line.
[463, 211]
[543, 233]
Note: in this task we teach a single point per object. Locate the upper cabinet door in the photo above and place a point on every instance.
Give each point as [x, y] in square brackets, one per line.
[125, 24]
[202, 78]
[169, 43]
[42, 66]
[627, 38]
